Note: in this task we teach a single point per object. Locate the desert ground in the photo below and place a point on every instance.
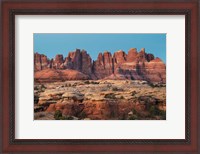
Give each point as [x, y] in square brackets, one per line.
[99, 100]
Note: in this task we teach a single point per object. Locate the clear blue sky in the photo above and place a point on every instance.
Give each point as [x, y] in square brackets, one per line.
[52, 44]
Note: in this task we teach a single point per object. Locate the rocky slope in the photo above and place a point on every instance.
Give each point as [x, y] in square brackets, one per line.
[100, 100]
[134, 65]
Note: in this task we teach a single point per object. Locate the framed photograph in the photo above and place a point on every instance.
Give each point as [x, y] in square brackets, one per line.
[100, 76]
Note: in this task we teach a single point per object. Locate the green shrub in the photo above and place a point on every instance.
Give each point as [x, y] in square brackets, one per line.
[87, 82]
[82, 115]
[134, 111]
[69, 118]
[58, 115]
[93, 82]
[42, 86]
[163, 114]
[133, 117]
[133, 93]
[155, 111]
[122, 97]
[111, 96]
[115, 89]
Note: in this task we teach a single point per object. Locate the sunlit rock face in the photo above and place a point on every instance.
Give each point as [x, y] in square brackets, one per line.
[134, 66]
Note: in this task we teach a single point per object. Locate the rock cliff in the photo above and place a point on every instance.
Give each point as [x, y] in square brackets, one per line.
[134, 66]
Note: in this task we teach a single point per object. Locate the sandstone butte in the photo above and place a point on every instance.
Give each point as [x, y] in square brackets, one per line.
[78, 65]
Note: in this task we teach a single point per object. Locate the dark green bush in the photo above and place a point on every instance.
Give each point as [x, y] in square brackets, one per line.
[115, 89]
[87, 82]
[133, 117]
[111, 96]
[155, 111]
[82, 115]
[58, 115]
[122, 97]
[69, 118]
[93, 82]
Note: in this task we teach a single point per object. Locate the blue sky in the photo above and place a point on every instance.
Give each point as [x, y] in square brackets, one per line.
[52, 44]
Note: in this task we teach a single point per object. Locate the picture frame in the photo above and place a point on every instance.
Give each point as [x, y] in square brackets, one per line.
[187, 8]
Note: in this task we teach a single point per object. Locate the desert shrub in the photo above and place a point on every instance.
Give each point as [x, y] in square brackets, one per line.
[151, 84]
[69, 118]
[61, 118]
[154, 111]
[133, 117]
[87, 82]
[36, 88]
[111, 96]
[93, 82]
[36, 99]
[133, 93]
[82, 115]
[163, 114]
[121, 97]
[58, 115]
[135, 112]
[115, 89]
[43, 87]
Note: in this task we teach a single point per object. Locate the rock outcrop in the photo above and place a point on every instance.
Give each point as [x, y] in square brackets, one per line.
[51, 75]
[102, 99]
[134, 66]
[40, 62]
[103, 66]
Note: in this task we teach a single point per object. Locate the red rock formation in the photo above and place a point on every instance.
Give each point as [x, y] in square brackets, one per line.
[119, 57]
[141, 56]
[40, 62]
[103, 66]
[132, 55]
[155, 71]
[51, 75]
[58, 62]
[86, 62]
[134, 65]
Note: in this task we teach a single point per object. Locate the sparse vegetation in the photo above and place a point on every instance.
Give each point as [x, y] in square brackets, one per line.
[58, 115]
[133, 93]
[82, 115]
[121, 97]
[87, 82]
[133, 117]
[115, 89]
[97, 98]
[111, 96]
[155, 111]
[93, 82]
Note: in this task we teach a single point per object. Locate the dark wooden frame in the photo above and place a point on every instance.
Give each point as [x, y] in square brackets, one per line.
[12, 8]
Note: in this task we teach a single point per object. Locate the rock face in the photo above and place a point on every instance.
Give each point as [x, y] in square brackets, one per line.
[57, 63]
[40, 62]
[134, 65]
[103, 66]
